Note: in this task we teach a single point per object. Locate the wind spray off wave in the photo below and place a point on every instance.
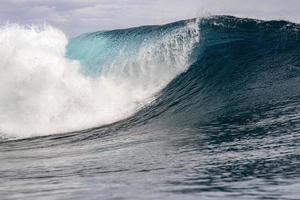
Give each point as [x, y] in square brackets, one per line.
[105, 76]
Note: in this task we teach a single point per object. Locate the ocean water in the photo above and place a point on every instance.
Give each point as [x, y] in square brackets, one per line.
[197, 109]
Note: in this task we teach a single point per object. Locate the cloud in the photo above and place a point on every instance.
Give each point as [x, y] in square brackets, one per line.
[79, 16]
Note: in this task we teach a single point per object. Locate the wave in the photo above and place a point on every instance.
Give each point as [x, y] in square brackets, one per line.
[196, 72]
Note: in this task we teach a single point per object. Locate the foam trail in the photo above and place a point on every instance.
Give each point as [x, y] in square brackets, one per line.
[43, 92]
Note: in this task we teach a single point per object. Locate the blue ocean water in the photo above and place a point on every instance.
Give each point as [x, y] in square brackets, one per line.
[225, 126]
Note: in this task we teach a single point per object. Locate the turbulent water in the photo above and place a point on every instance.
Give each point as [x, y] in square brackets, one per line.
[197, 109]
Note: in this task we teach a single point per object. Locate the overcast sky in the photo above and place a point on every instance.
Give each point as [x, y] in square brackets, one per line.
[80, 16]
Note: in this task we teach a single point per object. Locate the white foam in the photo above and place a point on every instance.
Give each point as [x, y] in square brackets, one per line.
[42, 92]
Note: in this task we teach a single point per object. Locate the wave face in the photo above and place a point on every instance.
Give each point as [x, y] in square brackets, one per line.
[49, 85]
[204, 107]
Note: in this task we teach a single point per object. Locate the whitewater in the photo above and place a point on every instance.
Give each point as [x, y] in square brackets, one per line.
[43, 91]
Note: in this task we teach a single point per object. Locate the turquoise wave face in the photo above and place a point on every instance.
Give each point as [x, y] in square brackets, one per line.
[101, 52]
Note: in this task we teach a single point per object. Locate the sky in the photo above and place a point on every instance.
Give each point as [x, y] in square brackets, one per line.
[75, 17]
